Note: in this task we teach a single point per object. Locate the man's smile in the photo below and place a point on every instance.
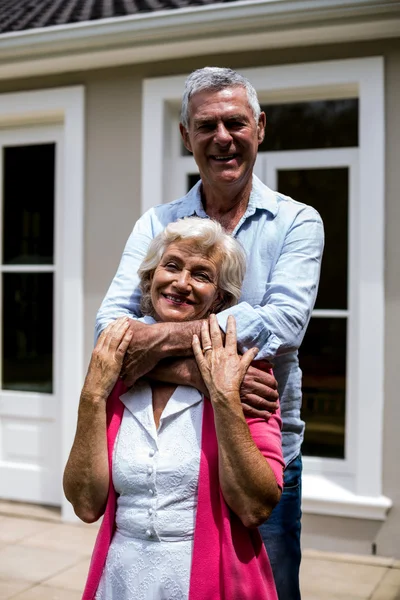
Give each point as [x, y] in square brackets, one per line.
[222, 158]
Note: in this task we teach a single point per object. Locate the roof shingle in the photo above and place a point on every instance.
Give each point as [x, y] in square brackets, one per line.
[18, 15]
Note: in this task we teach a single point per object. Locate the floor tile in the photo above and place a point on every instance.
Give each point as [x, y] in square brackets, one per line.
[43, 592]
[13, 529]
[378, 561]
[33, 564]
[73, 578]
[75, 538]
[10, 587]
[389, 587]
[341, 580]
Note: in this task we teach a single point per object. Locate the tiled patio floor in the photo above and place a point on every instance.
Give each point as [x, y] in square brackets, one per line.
[42, 559]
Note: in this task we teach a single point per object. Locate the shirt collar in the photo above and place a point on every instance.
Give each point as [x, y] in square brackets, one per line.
[138, 400]
[261, 197]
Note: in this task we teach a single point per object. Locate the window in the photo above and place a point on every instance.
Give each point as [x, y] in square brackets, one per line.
[41, 289]
[338, 104]
[28, 239]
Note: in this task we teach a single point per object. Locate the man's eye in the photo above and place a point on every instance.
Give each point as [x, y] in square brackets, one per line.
[206, 127]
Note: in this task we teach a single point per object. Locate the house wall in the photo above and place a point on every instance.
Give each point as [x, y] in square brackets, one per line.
[113, 167]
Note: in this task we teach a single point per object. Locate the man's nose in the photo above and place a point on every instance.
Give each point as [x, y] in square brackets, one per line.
[222, 134]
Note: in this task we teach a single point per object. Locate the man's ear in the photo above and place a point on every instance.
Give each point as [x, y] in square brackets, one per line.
[185, 137]
[261, 127]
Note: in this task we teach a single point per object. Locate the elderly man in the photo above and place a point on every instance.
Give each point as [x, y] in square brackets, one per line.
[222, 125]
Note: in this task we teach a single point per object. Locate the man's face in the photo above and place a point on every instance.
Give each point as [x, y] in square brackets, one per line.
[223, 136]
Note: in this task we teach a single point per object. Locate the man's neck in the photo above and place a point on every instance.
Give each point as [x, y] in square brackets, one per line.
[226, 207]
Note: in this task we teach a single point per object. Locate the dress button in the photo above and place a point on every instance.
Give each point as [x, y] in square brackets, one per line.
[150, 511]
[151, 492]
[151, 453]
[150, 470]
[148, 533]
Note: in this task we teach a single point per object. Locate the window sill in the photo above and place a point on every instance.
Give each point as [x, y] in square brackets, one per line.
[322, 496]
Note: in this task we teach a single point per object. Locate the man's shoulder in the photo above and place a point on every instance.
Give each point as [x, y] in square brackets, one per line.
[296, 208]
[282, 206]
[171, 211]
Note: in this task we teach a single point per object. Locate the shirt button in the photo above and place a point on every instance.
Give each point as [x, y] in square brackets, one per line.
[150, 470]
[151, 492]
[150, 511]
[151, 453]
[148, 533]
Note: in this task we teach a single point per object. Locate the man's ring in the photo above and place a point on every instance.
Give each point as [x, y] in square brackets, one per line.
[207, 348]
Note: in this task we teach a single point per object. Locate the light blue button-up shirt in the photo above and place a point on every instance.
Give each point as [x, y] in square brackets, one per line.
[284, 241]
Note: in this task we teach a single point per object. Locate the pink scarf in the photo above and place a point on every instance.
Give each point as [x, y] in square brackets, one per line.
[229, 561]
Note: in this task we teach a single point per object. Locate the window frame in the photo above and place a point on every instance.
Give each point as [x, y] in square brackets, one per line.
[64, 108]
[359, 494]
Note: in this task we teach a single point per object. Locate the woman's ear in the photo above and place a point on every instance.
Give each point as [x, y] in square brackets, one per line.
[219, 302]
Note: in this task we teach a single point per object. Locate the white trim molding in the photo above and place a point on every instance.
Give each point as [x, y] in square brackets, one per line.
[354, 485]
[64, 106]
[192, 31]
[322, 496]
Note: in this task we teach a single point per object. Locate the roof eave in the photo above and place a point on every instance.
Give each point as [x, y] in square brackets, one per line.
[248, 24]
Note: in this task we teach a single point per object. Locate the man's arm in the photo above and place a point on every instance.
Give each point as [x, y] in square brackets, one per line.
[277, 325]
[258, 391]
[123, 295]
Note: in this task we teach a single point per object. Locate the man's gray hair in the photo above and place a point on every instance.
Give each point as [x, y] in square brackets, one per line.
[207, 236]
[216, 79]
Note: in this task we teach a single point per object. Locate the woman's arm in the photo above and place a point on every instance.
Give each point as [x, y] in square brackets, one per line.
[247, 481]
[86, 475]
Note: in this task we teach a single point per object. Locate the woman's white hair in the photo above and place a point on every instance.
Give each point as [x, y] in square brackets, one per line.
[207, 236]
[216, 79]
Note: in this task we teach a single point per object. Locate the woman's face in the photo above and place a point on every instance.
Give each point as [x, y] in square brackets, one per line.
[185, 283]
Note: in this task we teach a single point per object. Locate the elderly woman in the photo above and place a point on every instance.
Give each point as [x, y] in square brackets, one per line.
[183, 481]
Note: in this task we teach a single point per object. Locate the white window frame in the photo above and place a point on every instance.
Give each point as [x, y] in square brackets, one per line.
[65, 107]
[323, 493]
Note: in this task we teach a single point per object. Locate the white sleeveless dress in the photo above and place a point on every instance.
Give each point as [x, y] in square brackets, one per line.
[155, 473]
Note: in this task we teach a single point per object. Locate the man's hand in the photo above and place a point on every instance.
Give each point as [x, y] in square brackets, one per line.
[143, 353]
[259, 391]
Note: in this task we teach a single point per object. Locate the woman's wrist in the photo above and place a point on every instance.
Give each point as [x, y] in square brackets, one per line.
[94, 397]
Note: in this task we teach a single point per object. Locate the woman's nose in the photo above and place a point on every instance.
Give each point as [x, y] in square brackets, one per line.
[182, 280]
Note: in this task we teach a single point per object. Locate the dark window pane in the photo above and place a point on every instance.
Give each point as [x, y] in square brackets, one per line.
[307, 125]
[327, 191]
[28, 332]
[28, 213]
[192, 179]
[323, 362]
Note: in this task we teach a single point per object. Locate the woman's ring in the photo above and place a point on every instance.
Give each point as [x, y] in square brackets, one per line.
[207, 348]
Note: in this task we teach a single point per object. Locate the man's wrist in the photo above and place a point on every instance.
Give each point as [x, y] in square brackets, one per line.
[175, 339]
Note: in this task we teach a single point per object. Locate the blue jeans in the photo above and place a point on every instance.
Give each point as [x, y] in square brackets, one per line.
[281, 534]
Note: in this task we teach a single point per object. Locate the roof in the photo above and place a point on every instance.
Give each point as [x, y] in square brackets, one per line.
[19, 15]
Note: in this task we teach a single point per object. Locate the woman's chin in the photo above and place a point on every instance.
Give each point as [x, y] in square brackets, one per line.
[177, 314]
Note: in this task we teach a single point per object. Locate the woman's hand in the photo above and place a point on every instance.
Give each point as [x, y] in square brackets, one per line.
[107, 356]
[221, 367]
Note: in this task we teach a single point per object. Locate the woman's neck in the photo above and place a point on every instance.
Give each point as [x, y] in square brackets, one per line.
[161, 393]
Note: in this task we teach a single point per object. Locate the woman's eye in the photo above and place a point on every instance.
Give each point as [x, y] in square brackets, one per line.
[203, 276]
[172, 266]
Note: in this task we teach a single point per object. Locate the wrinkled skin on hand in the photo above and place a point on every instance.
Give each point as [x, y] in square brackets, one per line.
[259, 391]
[106, 361]
[221, 367]
[143, 352]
